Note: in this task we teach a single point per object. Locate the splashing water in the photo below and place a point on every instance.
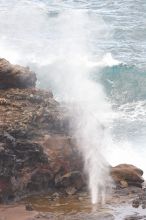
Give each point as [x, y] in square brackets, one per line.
[60, 49]
[64, 42]
[70, 73]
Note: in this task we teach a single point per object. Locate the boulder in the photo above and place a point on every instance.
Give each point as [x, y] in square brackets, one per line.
[126, 175]
[15, 76]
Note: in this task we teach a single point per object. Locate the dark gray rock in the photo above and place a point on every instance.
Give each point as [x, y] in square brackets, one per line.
[15, 76]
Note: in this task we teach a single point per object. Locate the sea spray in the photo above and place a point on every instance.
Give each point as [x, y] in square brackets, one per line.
[70, 73]
[63, 46]
[60, 48]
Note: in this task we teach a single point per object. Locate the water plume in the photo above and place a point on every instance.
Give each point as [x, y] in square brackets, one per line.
[89, 108]
[59, 46]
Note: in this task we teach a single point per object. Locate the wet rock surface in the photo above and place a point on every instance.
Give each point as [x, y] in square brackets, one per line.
[140, 200]
[55, 207]
[80, 216]
[135, 217]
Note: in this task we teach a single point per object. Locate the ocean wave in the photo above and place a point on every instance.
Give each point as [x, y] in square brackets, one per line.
[123, 83]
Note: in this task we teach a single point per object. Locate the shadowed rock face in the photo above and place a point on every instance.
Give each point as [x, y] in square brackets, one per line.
[35, 147]
[34, 143]
[15, 76]
[37, 153]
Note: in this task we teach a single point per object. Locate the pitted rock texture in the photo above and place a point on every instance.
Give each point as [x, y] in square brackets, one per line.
[37, 154]
[34, 143]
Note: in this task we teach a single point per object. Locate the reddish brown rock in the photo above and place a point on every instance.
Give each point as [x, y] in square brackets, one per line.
[125, 175]
[34, 143]
[63, 154]
[15, 76]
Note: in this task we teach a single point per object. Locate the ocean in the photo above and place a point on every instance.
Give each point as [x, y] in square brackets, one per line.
[90, 52]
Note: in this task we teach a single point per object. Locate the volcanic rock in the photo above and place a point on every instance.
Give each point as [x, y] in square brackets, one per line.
[127, 175]
[15, 76]
[140, 200]
[135, 203]
[37, 153]
[35, 145]
[72, 181]
[29, 207]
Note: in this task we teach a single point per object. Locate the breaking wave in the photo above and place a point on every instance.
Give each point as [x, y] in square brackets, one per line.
[123, 83]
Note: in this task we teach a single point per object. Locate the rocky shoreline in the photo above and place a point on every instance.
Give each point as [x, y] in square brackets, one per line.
[37, 153]
[76, 207]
